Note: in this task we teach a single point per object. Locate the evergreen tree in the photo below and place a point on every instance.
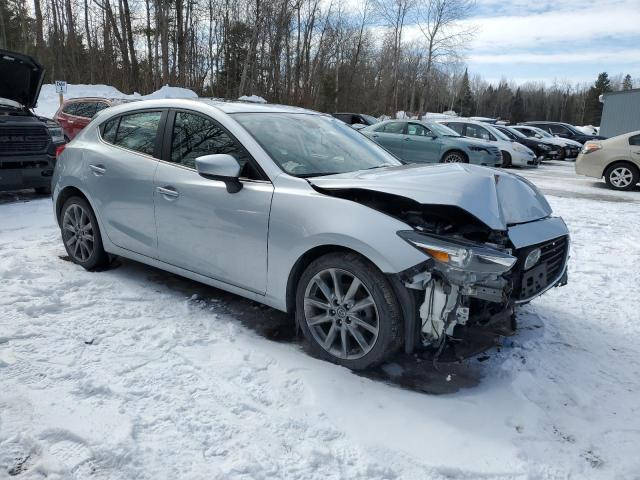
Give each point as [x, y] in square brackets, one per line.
[517, 107]
[465, 103]
[593, 106]
[626, 83]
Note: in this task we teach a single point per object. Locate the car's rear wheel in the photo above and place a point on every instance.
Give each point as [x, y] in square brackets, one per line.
[81, 234]
[621, 176]
[348, 311]
[454, 157]
[506, 159]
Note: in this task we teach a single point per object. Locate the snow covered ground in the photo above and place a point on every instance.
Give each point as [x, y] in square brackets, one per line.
[136, 373]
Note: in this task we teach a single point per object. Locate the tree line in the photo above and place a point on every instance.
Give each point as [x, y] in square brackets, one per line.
[370, 56]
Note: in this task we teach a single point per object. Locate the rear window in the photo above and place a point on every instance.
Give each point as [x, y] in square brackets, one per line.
[86, 109]
[135, 131]
[70, 108]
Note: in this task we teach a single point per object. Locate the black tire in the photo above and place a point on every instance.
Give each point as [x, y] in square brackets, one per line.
[454, 156]
[506, 160]
[616, 176]
[43, 190]
[97, 258]
[386, 308]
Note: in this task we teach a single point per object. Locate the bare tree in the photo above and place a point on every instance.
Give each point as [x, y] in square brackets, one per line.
[441, 24]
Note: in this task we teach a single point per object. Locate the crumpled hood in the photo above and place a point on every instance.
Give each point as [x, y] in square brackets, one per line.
[20, 78]
[496, 198]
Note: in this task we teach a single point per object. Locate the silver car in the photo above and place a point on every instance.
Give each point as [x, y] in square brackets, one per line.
[296, 210]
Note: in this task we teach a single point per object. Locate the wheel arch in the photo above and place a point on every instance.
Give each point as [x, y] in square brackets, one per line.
[620, 162]
[456, 150]
[65, 194]
[303, 262]
[406, 299]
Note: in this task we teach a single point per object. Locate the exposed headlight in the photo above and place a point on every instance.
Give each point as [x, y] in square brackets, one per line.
[591, 147]
[532, 258]
[460, 254]
[57, 135]
[542, 146]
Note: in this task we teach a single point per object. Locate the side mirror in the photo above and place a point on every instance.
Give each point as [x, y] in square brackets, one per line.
[222, 167]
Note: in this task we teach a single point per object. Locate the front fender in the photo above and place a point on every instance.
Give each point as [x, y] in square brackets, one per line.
[303, 219]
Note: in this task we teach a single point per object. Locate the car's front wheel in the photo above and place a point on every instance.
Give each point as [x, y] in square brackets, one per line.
[621, 176]
[81, 234]
[348, 311]
[454, 157]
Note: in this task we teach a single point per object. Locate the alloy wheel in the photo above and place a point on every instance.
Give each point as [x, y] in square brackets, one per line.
[621, 177]
[453, 158]
[77, 233]
[341, 314]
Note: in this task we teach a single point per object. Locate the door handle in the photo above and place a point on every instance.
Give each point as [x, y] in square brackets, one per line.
[406, 139]
[98, 169]
[168, 191]
[374, 136]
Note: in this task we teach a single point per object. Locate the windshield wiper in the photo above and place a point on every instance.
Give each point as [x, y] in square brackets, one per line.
[316, 174]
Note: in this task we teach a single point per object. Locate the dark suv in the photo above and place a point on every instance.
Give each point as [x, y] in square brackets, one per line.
[564, 130]
[28, 143]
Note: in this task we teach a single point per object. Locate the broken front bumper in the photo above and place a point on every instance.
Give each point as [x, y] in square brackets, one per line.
[448, 297]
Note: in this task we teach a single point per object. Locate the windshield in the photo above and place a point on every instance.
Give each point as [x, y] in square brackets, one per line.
[515, 133]
[498, 133]
[443, 130]
[370, 119]
[544, 133]
[309, 145]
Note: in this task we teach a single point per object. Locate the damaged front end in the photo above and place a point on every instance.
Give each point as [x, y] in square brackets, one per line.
[479, 285]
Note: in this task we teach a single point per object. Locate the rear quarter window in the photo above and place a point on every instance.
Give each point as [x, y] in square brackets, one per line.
[635, 140]
[108, 129]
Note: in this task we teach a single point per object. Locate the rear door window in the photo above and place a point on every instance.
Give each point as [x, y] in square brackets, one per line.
[138, 132]
[392, 127]
[418, 130]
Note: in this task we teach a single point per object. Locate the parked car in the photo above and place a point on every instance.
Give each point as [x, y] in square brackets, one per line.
[298, 211]
[564, 130]
[617, 159]
[513, 154]
[540, 147]
[415, 141]
[28, 142]
[76, 113]
[567, 149]
[356, 118]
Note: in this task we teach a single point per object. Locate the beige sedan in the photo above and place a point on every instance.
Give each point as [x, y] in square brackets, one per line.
[617, 159]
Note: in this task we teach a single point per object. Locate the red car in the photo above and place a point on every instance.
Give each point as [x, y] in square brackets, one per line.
[76, 113]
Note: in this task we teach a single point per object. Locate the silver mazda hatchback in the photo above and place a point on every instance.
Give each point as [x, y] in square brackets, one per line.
[296, 210]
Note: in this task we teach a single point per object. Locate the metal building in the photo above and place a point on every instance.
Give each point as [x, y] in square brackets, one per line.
[621, 112]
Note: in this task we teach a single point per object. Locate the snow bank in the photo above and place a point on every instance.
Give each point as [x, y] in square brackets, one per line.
[252, 99]
[48, 101]
[171, 92]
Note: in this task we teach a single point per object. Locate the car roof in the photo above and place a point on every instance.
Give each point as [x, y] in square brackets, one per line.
[94, 99]
[538, 122]
[250, 107]
[220, 105]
